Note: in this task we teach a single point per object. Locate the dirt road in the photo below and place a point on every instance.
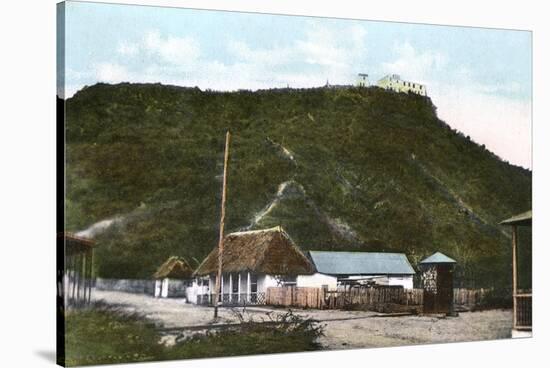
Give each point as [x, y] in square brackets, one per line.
[343, 329]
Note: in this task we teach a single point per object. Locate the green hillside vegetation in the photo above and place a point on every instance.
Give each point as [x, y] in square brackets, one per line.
[344, 169]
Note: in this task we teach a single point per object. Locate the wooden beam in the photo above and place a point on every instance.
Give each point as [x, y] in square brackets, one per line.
[230, 287]
[514, 271]
[73, 258]
[91, 275]
[87, 277]
[84, 268]
[248, 287]
[222, 223]
[239, 287]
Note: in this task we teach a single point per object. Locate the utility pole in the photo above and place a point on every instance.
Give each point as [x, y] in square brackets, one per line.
[218, 297]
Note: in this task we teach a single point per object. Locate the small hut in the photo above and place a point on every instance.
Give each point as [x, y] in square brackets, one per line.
[252, 261]
[172, 278]
[437, 281]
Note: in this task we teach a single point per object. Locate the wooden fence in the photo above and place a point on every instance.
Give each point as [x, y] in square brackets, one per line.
[301, 297]
[469, 298]
[372, 297]
[367, 298]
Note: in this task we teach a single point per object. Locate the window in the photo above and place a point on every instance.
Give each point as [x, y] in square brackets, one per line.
[289, 280]
[235, 285]
[253, 283]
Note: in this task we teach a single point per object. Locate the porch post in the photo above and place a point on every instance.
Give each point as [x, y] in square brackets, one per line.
[221, 291]
[248, 287]
[514, 271]
[239, 287]
[230, 288]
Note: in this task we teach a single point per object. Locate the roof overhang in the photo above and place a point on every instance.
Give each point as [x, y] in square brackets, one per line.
[523, 219]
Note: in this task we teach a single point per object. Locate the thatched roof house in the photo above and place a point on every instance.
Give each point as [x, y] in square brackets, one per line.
[174, 268]
[268, 251]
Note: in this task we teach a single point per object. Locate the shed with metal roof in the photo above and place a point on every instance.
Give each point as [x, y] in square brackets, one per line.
[336, 268]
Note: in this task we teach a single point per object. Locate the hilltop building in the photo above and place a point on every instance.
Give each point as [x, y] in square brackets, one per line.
[393, 82]
[363, 80]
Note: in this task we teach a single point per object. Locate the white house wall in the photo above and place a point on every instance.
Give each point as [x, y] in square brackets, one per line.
[394, 83]
[405, 281]
[265, 281]
[158, 284]
[196, 289]
[317, 280]
[164, 288]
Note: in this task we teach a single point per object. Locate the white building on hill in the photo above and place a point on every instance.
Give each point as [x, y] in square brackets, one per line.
[394, 83]
[362, 80]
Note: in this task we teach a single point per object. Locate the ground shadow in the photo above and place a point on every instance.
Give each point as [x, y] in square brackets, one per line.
[48, 355]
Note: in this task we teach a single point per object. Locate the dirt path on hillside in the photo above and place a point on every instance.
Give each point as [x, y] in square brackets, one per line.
[343, 329]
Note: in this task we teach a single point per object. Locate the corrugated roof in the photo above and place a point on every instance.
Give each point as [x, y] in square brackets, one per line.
[438, 257]
[361, 263]
[524, 218]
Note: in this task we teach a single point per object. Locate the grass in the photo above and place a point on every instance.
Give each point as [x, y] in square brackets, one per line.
[107, 335]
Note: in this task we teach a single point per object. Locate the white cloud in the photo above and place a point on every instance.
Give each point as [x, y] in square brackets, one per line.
[111, 73]
[181, 51]
[128, 49]
[323, 53]
[326, 47]
[414, 65]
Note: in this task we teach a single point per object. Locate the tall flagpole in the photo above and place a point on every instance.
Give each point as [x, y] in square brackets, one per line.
[218, 297]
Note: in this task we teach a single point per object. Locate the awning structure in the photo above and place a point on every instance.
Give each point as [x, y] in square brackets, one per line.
[522, 219]
[522, 315]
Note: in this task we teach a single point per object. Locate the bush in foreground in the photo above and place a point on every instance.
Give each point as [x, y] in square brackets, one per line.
[109, 335]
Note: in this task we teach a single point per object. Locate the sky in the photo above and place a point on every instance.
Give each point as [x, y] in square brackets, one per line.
[479, 79]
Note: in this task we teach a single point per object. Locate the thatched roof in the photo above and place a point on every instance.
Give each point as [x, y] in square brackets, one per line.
[269, 251]
[174, 268]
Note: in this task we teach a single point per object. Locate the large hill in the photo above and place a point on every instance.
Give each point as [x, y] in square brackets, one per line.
[338, 168]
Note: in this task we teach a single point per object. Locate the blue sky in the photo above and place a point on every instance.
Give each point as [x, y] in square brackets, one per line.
[480, 79]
